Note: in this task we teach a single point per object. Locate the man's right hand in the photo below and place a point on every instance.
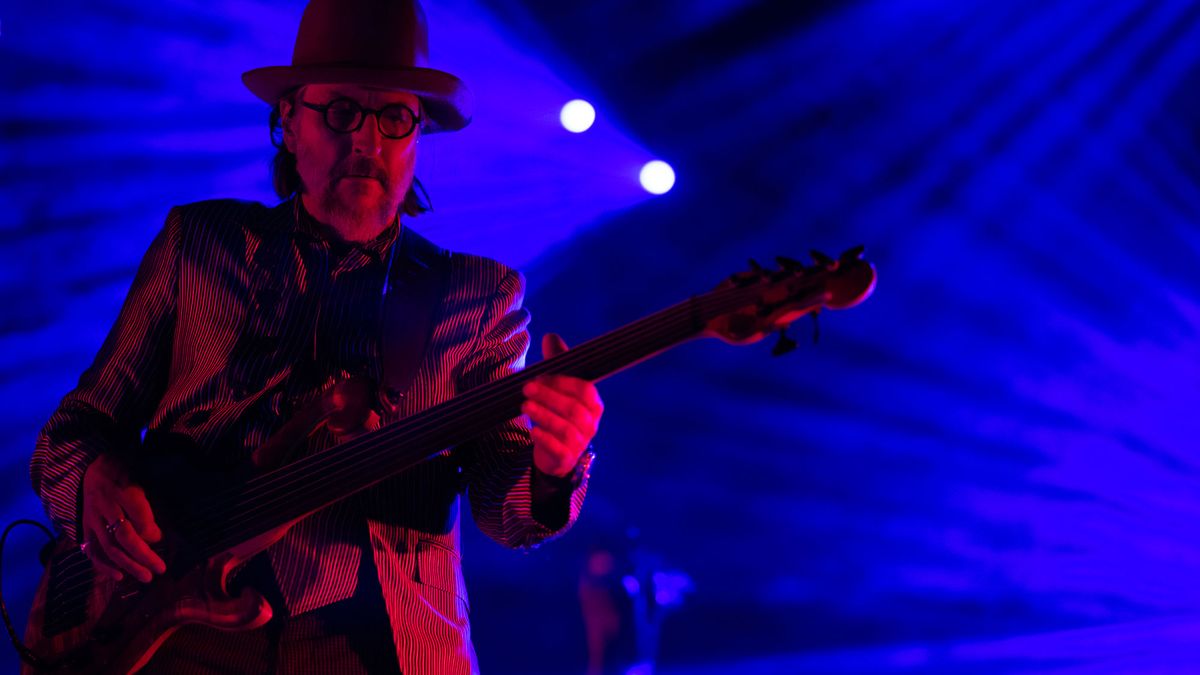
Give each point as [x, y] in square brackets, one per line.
[118, 526]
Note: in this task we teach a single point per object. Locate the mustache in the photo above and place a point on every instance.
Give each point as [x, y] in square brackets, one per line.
[363, 167]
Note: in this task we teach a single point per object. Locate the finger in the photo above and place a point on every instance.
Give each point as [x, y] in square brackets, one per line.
[581, 410]
[134, 502]
[555, 458]
[573, 387]
[551, 422]
[100, 509]
[114, 551]
[552, 345]
[569, 408]
[137, 548]
[102, 563]
[96, 518]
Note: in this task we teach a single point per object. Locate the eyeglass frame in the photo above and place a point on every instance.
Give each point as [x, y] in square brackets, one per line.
[363, 113]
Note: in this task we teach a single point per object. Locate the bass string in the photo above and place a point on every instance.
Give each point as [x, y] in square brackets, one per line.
[718, 301]
[332, 466]
[490, 410]
[590, 354]
[282, 476]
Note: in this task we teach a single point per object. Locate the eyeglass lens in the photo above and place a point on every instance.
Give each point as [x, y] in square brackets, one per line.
[346, 115]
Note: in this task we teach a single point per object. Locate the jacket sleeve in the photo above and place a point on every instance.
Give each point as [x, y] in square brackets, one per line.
[498, 465]
[117, 394]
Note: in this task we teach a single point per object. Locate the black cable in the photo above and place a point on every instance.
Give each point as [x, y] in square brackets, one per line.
[424, 198]
[25, 653]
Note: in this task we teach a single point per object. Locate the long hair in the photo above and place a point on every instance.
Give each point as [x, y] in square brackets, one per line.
[286, 179]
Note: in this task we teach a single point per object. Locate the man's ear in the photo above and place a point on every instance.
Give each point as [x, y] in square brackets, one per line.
[286, 108]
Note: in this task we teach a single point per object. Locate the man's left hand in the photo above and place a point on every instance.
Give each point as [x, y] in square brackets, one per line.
[565, 412]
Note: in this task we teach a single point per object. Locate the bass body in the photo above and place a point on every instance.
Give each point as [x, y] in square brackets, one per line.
[82, 622]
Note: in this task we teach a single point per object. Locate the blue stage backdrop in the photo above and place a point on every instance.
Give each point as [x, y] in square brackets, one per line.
[987, 467]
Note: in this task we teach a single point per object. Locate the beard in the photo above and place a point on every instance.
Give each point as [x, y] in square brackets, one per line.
[357, 204]
[345, 208]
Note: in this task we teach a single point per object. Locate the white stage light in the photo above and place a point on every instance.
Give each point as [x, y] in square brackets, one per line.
[577, 116]
[657, 177]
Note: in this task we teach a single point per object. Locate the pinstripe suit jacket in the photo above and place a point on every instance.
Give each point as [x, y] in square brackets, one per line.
[229, 300]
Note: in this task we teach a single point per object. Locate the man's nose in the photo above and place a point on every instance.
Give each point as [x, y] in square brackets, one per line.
[367, 140]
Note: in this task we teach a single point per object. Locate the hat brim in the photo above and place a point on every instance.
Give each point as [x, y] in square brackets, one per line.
[445, 99]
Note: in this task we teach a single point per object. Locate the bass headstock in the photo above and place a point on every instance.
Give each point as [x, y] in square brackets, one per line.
[768, 301]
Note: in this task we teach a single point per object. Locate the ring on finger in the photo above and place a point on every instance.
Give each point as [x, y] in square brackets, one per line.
[83, 548]
[112, 527]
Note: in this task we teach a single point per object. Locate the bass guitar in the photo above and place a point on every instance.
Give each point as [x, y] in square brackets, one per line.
[84, 623]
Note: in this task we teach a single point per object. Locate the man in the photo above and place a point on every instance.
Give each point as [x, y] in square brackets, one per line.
[239, 313]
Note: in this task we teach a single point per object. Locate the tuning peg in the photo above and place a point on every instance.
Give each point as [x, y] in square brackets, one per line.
[784, 345]
[789, 264]
[855, 253]
[821, 259]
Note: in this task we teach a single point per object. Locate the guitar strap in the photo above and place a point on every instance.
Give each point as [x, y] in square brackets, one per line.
[416, 287]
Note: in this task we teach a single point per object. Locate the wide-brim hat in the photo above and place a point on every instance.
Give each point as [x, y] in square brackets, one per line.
[373, 43]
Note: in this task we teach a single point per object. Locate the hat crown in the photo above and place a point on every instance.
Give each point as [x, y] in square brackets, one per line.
[371, 43]
[384, 34]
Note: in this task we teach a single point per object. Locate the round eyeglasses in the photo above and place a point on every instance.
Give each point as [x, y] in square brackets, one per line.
[345, 115]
